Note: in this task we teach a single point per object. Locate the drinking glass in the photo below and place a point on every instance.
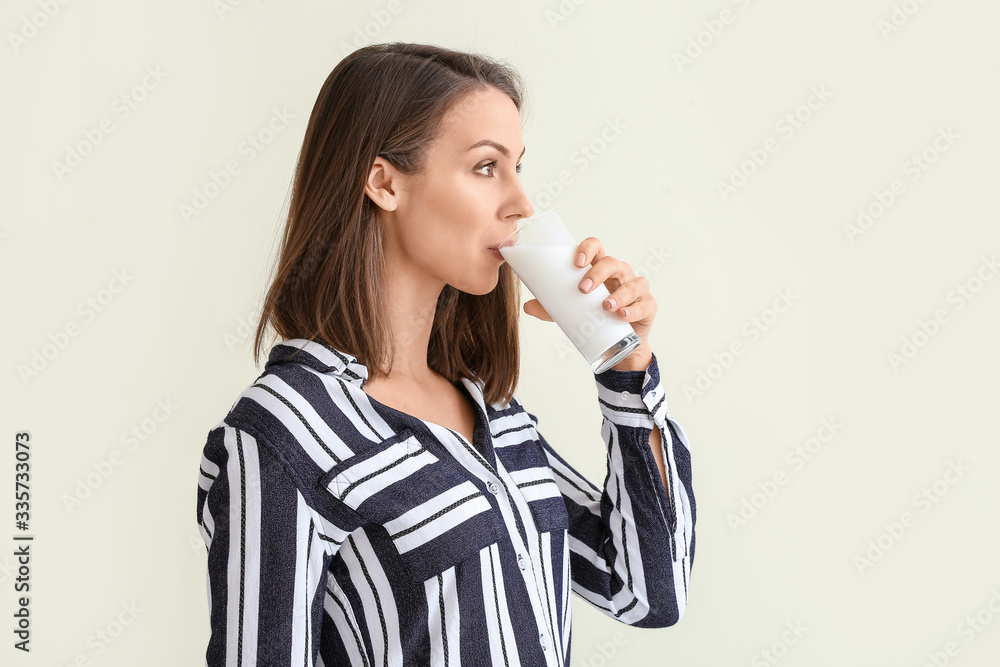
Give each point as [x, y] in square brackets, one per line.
[542, 253]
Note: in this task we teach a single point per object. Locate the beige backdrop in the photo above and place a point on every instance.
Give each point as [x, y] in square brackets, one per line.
[810, 187]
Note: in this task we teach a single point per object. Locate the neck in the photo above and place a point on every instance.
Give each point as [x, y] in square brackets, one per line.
[412, 302]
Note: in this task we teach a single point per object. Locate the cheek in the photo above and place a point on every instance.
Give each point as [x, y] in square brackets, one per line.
[456, 192]
[449, 221]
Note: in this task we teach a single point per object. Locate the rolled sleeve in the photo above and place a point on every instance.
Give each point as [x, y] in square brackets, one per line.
[634, 402]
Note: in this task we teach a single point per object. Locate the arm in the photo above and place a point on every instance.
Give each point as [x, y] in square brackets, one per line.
[639, 360]
[632, 543]
[268, 553]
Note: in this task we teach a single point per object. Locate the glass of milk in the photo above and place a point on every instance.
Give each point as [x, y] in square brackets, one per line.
[542, 253]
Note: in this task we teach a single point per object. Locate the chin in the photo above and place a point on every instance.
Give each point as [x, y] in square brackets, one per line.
[478, 287]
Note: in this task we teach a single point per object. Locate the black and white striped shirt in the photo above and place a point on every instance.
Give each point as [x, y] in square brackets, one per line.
[341, 531]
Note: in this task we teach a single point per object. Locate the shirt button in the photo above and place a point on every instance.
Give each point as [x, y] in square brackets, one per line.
[625, 395]
[543, 640]
[494, 489]
[521, 563]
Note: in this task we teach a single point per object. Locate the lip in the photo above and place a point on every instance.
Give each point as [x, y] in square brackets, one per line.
[511, 239]
[507, 241]
[496, 253]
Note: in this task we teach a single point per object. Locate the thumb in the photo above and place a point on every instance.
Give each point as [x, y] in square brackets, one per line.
[534, 308]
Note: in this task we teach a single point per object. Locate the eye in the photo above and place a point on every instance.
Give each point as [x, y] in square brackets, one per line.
[491, 166]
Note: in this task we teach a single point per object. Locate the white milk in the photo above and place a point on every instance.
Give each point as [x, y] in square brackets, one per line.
[553, 278]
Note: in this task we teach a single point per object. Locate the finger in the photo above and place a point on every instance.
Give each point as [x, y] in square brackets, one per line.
[606, 269]
[591, 249]
[627, 293]
[643, 310]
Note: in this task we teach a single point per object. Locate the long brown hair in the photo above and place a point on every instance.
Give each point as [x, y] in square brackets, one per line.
[384, 100]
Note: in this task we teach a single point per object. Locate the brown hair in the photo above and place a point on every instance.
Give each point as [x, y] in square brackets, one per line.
[384, 100]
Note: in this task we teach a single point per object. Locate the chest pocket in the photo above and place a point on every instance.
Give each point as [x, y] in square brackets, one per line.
[434, 515]
[520, 450]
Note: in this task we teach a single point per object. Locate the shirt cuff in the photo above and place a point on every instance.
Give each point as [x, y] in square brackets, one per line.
[630, 398]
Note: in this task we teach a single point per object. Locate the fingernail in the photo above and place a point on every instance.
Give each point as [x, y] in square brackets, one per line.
[580, 259]
[611, 304]
[625, 312]
[586, 285]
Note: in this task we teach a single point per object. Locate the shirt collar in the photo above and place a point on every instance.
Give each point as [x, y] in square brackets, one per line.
[326, 359]
[320, 356]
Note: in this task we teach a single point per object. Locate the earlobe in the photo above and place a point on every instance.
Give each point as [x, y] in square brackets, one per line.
[380, 186]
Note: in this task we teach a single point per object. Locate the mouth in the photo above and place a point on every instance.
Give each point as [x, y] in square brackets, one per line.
[496, 253]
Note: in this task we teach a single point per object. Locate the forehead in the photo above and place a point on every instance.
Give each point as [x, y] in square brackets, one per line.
[481, 114]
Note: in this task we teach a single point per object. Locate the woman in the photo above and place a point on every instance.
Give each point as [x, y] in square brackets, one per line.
[379, 496]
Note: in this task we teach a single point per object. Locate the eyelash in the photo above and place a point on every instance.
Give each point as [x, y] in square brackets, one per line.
[492, 165]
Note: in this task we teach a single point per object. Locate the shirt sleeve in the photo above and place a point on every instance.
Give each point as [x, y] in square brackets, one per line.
[632, 542]
[268, 553]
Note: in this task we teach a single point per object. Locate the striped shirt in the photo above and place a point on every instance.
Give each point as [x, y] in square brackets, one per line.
[341, 531]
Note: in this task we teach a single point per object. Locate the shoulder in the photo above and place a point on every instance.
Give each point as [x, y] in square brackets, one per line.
[307, 420]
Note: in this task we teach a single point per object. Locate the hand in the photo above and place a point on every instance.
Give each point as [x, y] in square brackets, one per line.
[630, 294]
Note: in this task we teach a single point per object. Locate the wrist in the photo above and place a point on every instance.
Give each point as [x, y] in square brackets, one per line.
[636, 360]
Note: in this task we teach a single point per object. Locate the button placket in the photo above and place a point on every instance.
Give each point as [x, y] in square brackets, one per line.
[532, 576]
[508, 504]
[517, 503]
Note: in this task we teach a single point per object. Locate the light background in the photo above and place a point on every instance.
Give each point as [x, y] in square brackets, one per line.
[177, 331]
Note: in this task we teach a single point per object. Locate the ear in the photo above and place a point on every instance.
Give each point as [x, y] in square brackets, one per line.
[382, 185]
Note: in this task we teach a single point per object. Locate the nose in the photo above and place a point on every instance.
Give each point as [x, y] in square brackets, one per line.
[520, 205]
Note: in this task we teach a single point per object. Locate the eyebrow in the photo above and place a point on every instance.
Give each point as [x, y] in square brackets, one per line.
[500, 147]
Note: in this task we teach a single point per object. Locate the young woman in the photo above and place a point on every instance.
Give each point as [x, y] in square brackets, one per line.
[379, 496]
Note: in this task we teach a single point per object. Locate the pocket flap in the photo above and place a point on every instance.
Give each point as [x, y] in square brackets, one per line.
[368, 472]
[530, 470]
[435, 515]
